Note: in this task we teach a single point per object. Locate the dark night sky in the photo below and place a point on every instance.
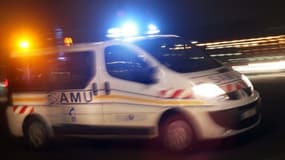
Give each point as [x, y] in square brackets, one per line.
[86, 20]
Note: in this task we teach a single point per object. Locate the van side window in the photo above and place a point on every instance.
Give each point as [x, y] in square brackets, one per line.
[69, 71]
[124, 63]
[72, 71]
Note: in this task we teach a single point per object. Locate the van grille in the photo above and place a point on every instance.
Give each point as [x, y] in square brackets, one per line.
[238, 94]
[231, 119]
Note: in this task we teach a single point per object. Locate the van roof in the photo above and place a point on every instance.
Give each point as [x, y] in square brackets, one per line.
[79, 46]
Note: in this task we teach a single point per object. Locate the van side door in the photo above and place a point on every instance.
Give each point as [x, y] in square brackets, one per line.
[130, 88]
[71, 79]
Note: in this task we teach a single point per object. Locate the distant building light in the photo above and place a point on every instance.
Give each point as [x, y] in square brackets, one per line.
[194, 42]
[261, 67]
[61, 58]
[226, 54]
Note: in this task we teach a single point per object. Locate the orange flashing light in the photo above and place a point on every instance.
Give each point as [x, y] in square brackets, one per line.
[68, 41]
[24, 44]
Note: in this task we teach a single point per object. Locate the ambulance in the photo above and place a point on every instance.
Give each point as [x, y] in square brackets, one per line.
[155, 86]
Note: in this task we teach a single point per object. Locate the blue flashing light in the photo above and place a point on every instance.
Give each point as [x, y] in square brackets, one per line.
[130, 29]
[127, 30]
[152, 29]
[114, 32]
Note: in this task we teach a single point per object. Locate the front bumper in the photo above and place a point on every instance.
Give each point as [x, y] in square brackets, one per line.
[237, 118]
[232, 120]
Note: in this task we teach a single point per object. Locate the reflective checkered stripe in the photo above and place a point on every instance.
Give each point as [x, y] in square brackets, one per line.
[30, 99]
[176, 94]
[233, 86]
[23, 109]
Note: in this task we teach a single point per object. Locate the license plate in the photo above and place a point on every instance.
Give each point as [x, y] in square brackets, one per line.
[248, 113]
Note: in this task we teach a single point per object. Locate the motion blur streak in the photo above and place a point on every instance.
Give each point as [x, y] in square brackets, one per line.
[266, 67]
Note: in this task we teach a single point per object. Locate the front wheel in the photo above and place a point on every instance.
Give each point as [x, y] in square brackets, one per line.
[176, 134]
[36, 134]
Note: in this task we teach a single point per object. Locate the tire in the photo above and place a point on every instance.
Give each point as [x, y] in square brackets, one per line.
[36, 134]
[176, 134]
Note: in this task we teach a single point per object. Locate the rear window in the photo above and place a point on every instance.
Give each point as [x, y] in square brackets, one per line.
[69, 71]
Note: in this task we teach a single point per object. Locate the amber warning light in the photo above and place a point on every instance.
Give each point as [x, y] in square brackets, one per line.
[68, 41]
[24, 44]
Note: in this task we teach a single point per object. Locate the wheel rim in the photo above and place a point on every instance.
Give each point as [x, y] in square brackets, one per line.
[37, 135]
[178, 135]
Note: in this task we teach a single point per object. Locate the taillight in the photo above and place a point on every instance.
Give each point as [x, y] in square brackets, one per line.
[5, 83]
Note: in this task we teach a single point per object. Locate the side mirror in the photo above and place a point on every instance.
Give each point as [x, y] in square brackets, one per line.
[146, 76]
[152, 72]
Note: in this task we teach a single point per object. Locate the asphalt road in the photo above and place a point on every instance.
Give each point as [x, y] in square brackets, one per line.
[266, 142]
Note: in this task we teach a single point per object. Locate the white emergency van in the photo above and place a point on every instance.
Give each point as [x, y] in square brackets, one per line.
[157, 86]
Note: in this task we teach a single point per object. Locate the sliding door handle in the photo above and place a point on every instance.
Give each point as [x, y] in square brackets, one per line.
[107, 88]
[94, 89]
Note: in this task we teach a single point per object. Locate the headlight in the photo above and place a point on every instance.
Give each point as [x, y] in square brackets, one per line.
[207, 90]
[247, 81]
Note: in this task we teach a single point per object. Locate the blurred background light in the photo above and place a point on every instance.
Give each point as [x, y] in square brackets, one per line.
[261, 67]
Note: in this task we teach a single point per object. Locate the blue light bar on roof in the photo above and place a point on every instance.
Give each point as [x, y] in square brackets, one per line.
[130, 29]
[152, 29]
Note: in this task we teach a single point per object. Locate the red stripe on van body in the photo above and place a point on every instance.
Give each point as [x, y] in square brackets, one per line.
[176, 93]
[23, 109]
[15, 108]
[32, 111]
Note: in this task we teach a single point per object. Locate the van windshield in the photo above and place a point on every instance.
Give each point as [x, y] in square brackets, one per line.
[177, 54]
